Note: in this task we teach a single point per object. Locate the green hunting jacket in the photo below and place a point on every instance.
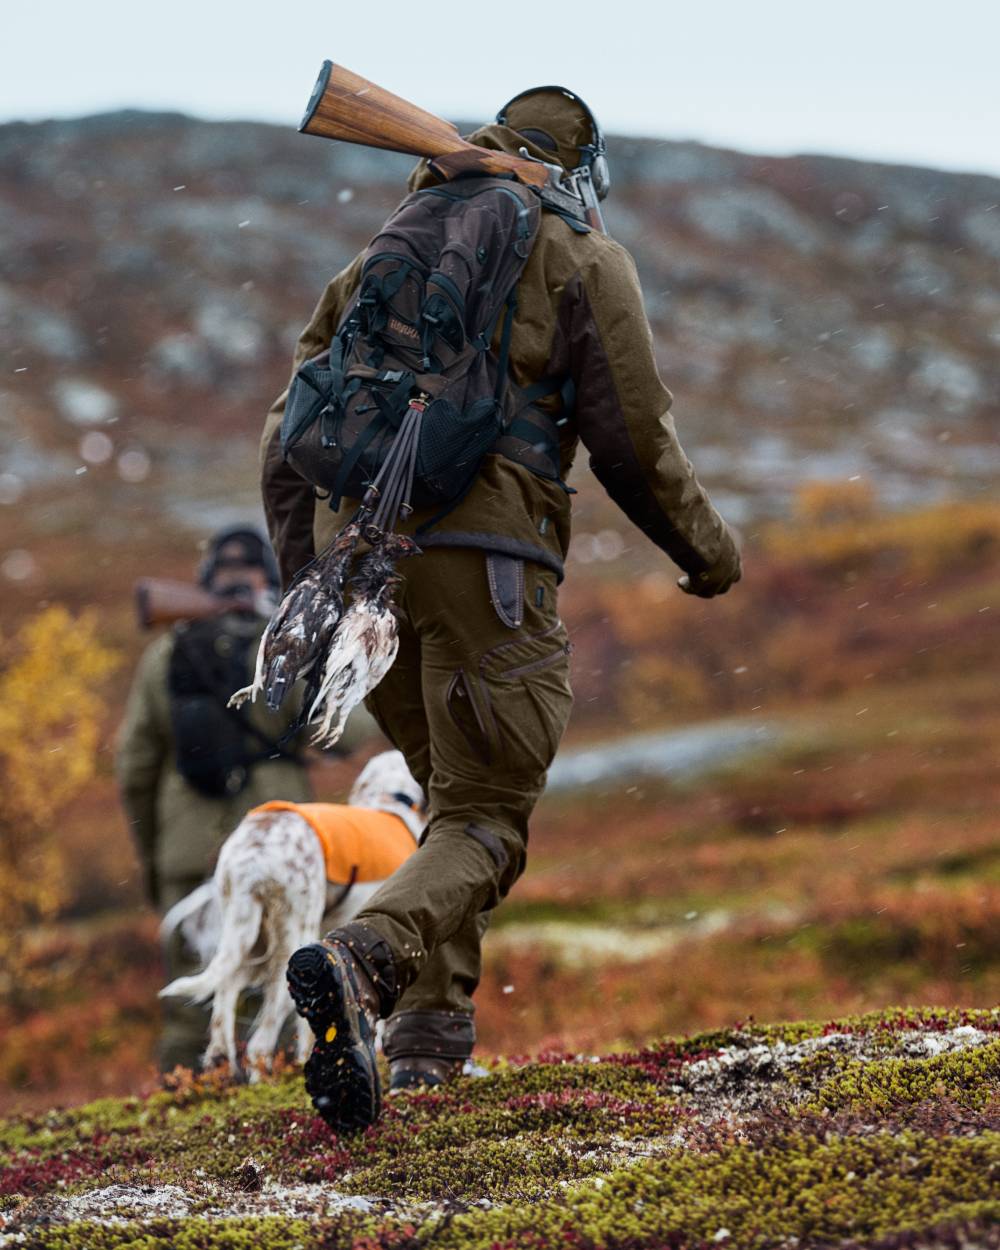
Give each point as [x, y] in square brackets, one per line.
[580, 315]
[178, 830]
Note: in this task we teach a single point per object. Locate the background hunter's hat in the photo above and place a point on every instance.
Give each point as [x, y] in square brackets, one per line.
[245, 543]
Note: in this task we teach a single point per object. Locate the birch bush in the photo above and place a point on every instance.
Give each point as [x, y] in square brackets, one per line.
[51, 715]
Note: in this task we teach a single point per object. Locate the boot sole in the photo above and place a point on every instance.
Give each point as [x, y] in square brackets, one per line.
[341, 1075]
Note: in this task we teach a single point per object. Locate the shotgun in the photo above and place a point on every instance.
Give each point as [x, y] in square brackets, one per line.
[159, 601]
[349, 108]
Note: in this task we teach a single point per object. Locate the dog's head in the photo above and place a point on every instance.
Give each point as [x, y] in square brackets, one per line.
[385, 784]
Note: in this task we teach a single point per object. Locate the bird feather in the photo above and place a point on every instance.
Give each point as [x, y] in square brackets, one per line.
[298, 635]
[366, 640]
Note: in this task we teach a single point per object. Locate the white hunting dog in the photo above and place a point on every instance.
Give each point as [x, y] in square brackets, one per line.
[278, 873]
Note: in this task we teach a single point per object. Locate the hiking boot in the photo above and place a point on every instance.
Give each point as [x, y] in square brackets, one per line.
[331, 989]
[426, 1047]
[421, 1072]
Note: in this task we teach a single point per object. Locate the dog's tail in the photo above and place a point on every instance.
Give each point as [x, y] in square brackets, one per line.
[240, 927]
[200, 897]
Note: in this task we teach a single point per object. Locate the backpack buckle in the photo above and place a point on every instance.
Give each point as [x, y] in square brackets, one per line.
[420, 402]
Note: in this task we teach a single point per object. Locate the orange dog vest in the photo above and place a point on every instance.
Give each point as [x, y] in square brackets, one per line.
[358, 840]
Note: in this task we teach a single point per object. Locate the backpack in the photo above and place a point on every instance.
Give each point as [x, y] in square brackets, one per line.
[409, 398]
[213, 744]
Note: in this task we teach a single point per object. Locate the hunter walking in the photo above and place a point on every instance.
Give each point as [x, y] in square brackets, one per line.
[189, 770]
[479, 693]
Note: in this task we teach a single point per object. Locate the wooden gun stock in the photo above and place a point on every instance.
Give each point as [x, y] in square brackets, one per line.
[345, 106]
[162, 602]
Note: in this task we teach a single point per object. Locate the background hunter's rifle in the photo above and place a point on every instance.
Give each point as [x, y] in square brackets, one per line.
[159, 601]
[347, 107]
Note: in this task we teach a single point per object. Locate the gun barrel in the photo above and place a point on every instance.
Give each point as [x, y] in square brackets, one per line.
[159, 601]
[347, 107]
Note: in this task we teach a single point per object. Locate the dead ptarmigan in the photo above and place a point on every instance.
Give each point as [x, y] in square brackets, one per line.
[298, 636]
[366, 640]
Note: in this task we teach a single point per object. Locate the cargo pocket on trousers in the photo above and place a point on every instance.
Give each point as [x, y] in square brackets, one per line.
[466, 716]
[530, 703]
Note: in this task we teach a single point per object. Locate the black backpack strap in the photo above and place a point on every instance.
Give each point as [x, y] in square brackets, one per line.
[339, 393]
[574, 223]
[551, 385]
[531, 437]
[377, 423]
[507, 310]
[484, 339]
[391, 410]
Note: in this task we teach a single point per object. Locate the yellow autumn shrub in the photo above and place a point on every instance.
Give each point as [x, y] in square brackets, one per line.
[826, 502]
[51, 713]
[835, 524]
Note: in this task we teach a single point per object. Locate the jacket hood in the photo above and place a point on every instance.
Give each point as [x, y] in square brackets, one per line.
[495, 137]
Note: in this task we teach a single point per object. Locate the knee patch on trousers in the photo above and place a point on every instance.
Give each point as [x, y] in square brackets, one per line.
[436, 1034]
[492, 841]
[508, 860]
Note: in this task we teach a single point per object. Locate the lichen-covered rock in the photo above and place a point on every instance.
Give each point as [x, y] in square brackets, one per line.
[876, 1130]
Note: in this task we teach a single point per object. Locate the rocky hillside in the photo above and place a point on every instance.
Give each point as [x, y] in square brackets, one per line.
[817, 317]
[879, 1131]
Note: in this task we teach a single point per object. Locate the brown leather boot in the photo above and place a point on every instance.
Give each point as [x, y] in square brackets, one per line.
[332, 989]
[421, 1072]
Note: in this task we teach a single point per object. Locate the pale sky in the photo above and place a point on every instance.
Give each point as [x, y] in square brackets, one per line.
[895, 80]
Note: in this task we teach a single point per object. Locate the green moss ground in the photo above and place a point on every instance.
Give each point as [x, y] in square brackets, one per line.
[878, 1127]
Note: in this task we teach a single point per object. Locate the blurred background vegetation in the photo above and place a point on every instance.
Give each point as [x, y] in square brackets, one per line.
[829, 327]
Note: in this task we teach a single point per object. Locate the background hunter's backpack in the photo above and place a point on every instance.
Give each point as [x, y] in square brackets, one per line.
[216, 747]
[434, 285]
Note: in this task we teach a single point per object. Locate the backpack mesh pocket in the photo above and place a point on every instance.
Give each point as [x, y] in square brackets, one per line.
[310, 391]
[453, 443]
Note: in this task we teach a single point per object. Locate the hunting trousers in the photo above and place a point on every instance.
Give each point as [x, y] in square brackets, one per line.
[477, 701]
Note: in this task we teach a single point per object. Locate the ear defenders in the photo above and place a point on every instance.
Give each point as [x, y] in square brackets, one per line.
[594, 153]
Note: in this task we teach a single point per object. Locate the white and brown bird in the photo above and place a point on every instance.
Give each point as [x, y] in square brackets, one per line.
[299, 634]
[366, 640]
